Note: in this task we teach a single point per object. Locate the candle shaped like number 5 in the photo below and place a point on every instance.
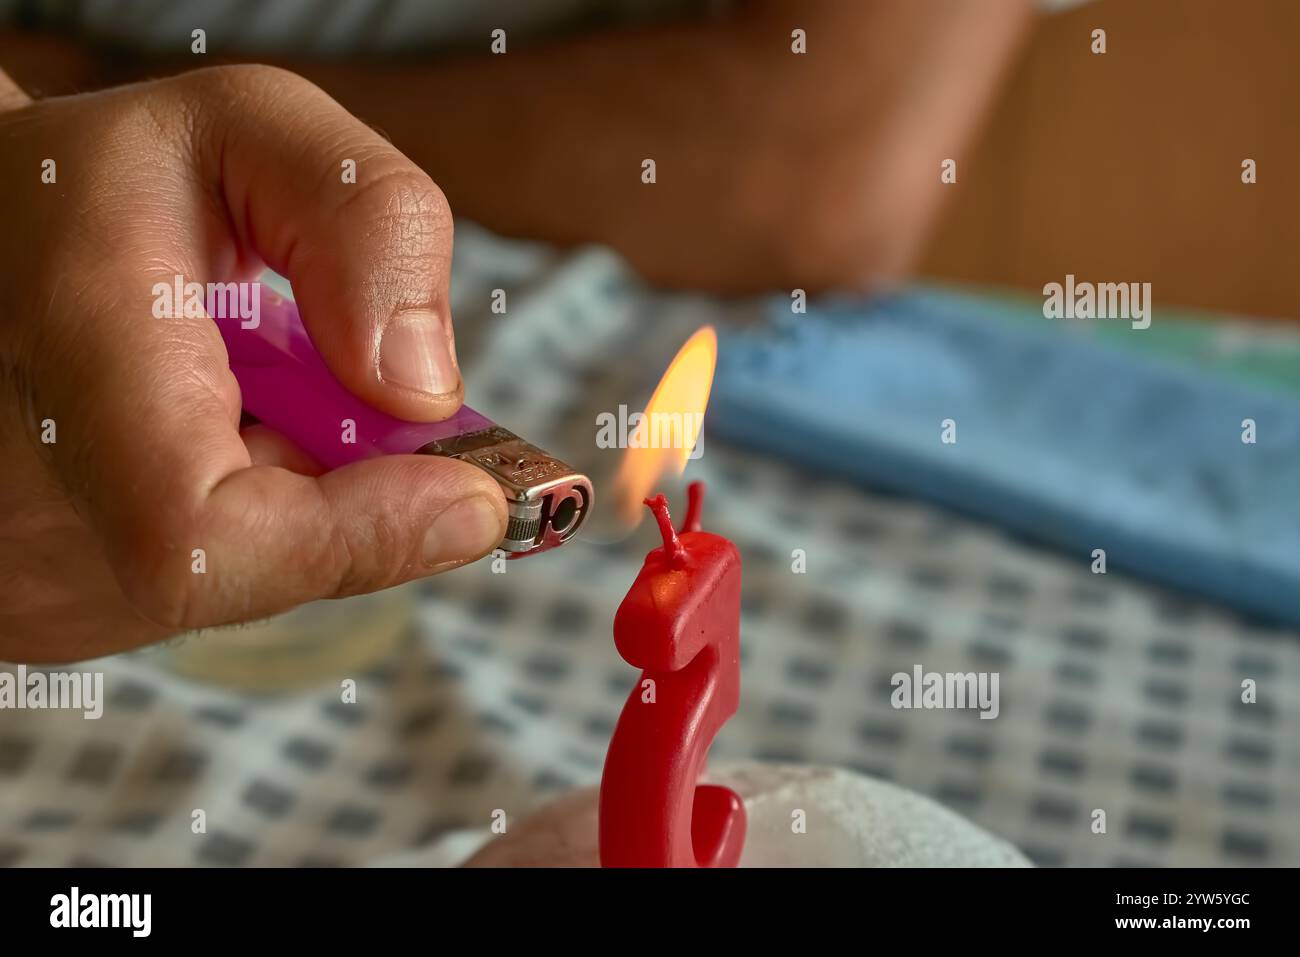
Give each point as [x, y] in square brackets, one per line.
[680, 622]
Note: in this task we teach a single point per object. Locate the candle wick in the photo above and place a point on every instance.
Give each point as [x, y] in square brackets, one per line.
[694, 505]
[673, 546]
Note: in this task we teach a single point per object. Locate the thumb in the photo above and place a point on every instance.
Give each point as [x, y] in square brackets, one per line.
[360, 231]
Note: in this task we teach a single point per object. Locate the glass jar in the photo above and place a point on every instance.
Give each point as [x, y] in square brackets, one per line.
[318, 642]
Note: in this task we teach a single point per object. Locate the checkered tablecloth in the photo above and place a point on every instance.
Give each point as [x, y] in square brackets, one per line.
[1114, 695]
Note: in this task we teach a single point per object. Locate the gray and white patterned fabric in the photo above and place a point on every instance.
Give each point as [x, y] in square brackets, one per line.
[1114, 695]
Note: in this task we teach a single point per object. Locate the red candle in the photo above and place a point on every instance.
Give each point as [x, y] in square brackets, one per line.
[680, 623]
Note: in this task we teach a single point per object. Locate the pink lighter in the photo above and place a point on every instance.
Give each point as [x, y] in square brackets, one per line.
[286, 385]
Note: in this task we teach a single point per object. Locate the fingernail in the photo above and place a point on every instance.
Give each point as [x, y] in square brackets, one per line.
[415, 352]
[465, 529]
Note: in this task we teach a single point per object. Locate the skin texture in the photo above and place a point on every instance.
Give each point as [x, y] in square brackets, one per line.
[208, 176]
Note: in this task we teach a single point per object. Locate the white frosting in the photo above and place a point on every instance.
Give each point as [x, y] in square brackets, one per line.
[851, 821]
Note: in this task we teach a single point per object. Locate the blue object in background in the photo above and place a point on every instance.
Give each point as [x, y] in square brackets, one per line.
[1058, 437]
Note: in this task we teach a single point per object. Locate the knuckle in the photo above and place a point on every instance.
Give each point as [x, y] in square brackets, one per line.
[403, 205]
[362, 555]
[407, 224]
[256, 80]
[207, 98]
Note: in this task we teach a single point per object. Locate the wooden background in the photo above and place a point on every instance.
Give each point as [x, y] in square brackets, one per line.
[1127, 166]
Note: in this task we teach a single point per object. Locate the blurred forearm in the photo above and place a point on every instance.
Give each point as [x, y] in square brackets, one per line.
[773, 169]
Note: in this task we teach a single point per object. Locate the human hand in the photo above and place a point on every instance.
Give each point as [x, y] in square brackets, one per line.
[119, 431]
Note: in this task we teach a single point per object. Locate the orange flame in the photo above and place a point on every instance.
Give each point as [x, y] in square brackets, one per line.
[670, 426]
